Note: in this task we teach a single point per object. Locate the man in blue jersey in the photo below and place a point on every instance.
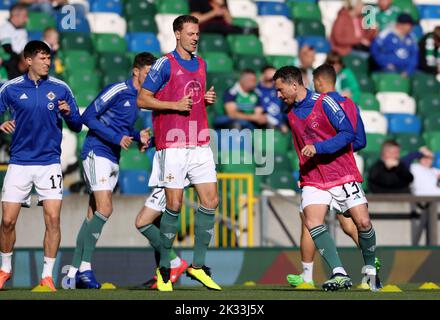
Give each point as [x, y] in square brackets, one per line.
[324, 79]
[38, 104]
[110, 119]
[395, 48]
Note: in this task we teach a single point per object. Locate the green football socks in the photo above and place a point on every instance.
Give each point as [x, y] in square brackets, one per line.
[168, 231]
[204, 230]
[91, 237]
[367, 242]
[326, 246]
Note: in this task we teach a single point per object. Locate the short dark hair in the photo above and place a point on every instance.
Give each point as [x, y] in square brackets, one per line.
[180, 20]
[267, 67]
[289, 74]
[17, 7]
[436, 33]
[143, 59]
[247, 70]
[390, 143]
[334, 58]
[326, 71]
[35, 47]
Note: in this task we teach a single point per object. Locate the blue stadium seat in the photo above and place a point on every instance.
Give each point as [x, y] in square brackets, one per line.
[81, 24]
[114, 6]
[6, 4]
[134, 182]
[403, 123]
[147, 118]
[436, 163]
[320, 44]
[80, 9]
[296, 178]
[143, 41]
[429, 11]
[234, 141]
[35, 35]
[417, 31]
[289, 1]
[273, 8]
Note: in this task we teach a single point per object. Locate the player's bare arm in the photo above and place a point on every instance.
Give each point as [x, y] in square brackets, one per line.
[8, 126]
[146, 100]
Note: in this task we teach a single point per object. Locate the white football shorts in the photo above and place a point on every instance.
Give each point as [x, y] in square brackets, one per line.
[341, 198]
[172, 166]
[19, 180]
[100, 173]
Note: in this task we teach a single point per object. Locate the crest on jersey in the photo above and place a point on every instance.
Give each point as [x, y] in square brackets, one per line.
[194, 88]
[51, 96]
[50, 106]
[315, 125]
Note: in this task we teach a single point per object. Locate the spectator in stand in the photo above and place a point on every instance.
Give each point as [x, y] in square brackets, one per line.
[22, 66]
[348, 32]
[214, 17]
[426, 177]
[395, 49]
[13, 38]
[346, 82]
[391, 173]
[52, 38]
[241, 105]
[429, 58]
[268, 100]
[387, 14]
[306, 59]
[48, 6]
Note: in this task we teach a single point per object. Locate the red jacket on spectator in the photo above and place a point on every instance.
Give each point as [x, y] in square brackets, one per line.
[345, 35]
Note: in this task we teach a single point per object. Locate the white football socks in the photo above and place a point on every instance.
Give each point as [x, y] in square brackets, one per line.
[6, 261]
[175, 262]
[48, 267]
[85, 266]
[339, 270]
[72, 272]
[307, 271]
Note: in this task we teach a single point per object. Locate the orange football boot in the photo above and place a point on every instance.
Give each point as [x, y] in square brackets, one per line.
[4, 276]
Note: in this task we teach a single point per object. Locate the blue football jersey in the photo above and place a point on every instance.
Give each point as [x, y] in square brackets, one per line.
[38, 122]
[109, 117]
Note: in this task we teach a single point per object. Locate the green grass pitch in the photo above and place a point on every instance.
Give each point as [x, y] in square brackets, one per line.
[258, 292]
